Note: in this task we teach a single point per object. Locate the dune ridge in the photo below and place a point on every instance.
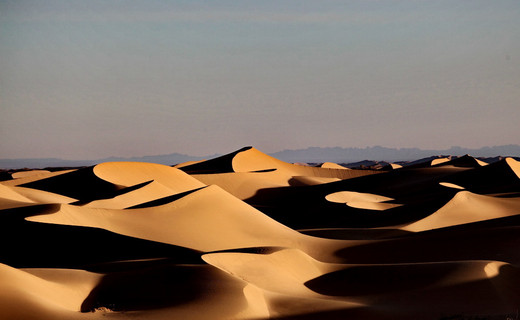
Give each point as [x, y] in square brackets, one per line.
[248, 236]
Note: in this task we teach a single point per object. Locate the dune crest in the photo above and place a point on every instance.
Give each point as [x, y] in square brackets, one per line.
[288, 269]
[362, 200]
[23, 174]
[128, 174]
[467, 207]
[451, 185]
[332, 165]
[514, 165]
[244, 172]
[207, 220]
[34, 176]
[438, 161]
[348, 196]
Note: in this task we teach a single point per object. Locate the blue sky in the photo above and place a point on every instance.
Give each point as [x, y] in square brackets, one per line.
[89, 79]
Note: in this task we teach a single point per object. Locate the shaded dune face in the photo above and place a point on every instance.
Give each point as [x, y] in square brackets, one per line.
[248, 236]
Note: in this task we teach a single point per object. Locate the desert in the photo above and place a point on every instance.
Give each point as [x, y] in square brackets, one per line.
[248, 236]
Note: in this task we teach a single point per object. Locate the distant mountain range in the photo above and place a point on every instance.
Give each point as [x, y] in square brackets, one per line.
[348, 155]
[309, 155]
[167, 159]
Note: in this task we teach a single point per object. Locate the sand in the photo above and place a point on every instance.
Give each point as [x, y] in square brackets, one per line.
[247, 236]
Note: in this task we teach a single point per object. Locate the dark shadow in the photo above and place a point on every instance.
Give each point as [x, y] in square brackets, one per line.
[250, 250]
[116, 193]
[493, 178]
[165, 200]
[157, 285]
[306, 207]
[380, 279]
[222, 164]
[355, 234]
[81, 184]
[41, 245]
[486, 240]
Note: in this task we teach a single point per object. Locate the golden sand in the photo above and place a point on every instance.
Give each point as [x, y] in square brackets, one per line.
[247, 236]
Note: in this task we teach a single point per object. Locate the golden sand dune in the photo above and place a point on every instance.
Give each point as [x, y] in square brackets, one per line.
[207, 220]
[392, 166]
[128, 174]
[244, 185]
[281, 270]
[170, 291]
[497, 177]
[467, 207]
[248, 170]
[310, 181]
[362, 200]
[439, 161]
[280, 274]
[44, 294]
[332, 165]
[9, 193]
[513, 165]
[34, 175]
[219, 239]
[158, 181]
[24, 174]
[349, 196]
[252, 160]
[451, 185]
[11, 197]
[464, 161]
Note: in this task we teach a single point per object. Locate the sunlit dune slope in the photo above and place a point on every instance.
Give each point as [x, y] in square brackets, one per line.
[11, 197]
[332, 165]
[158, 181]
[44, 294]
[244, 172]
[31, 176]
[208, 219]
[24, 174]
[467, 207]
[466, 161]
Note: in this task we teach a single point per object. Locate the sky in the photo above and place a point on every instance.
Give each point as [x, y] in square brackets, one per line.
[92, 79]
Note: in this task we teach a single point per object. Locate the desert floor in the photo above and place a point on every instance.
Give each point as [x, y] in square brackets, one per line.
[247, 236]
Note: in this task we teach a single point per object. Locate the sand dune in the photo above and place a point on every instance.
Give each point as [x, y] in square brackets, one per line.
[332, 165]
[158, 181]
[247, 236]
[244, 172]
[11, 197]
[30, 173]
[499, 177]
[467, 207]
[207, 220]
[34, 175]
[44, 294]
[392, 166]
[464, 161]
[128, 174]
[281, 270]
[362, 200]
[439, 161]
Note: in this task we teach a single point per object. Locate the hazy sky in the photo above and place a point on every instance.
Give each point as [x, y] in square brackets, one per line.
[89, 79]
